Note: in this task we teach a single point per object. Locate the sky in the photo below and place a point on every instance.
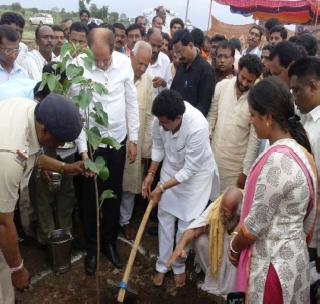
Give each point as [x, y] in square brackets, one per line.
[198, 9]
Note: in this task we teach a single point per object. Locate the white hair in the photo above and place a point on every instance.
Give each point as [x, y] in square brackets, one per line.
[142, 45]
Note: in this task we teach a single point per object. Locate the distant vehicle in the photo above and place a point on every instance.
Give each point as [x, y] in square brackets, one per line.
[96, 21]
[41, 19]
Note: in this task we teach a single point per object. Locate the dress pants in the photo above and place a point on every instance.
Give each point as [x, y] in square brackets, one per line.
[53, 210]
[110, 209]
[167, 234]
[6, 288]
[126, 208]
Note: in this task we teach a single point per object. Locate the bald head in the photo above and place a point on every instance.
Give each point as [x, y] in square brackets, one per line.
[155, 39]
[232, 197]
[101, 36]
[230, 204]
[140, 58]
[101, 42]
[154, 33]
[42, 29]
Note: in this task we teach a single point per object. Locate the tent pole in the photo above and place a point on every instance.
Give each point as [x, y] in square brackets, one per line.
[187, 11]
[209, 17]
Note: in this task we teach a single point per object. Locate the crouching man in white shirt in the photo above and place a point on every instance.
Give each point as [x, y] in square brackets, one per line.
[181, 140]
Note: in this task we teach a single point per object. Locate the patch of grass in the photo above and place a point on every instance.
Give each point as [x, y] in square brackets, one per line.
[28, 34]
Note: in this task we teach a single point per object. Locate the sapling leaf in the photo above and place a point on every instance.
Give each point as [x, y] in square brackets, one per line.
[110, 142]
[94, 137]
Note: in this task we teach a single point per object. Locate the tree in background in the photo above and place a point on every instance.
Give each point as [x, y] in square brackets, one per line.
[82, 5]
[101, 13]
[113, 17]
[16, 7]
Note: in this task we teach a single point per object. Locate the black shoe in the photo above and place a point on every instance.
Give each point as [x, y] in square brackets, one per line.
[111, 253]
[90, 264]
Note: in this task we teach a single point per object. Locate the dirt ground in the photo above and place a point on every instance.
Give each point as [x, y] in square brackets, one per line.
[76, 287]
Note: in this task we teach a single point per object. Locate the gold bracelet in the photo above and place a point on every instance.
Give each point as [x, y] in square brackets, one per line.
[231, 248]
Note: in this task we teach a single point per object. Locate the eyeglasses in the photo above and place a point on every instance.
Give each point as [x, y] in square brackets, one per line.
[8, 51]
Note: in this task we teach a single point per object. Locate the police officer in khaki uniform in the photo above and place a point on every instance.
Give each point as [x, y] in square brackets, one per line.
[24, 127]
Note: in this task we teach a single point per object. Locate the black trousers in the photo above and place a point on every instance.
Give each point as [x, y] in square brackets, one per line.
[110, 210]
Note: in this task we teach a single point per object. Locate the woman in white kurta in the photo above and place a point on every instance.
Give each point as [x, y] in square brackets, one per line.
[279, 205]
[181, 140]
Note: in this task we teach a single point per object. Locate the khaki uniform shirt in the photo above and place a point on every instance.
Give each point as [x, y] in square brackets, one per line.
[17, 132]
[234, 142]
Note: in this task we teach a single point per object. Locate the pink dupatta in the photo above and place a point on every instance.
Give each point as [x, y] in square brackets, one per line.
[243, 270]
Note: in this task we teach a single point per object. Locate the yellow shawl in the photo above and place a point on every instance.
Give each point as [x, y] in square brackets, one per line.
[216, 237]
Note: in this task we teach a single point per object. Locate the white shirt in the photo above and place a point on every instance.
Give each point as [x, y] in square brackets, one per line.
[16, 72]
[120, 102]
[161, 68]
[255, 51]
[151, 12]
[188, 157]
[34, 63]
[23, 51]
[311, 123]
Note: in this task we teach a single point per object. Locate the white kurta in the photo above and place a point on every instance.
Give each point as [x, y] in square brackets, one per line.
[187, 156]
[133, 173]
[234, 142]
[161, 68]
[33, 62]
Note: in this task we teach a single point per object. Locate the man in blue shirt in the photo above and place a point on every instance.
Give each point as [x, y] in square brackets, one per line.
[9, 50]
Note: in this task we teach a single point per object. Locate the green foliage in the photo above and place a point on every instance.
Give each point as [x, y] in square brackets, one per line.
[82, 5]
[113, 17]
[83, 99]
[106, 194]
[73, 71]
[16, 6]
[101, 13]
[110, 142]
[94, 137]
[99, 115]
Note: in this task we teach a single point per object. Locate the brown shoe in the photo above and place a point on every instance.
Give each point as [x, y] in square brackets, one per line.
[158, 279]
[129, 232]
[180, 279]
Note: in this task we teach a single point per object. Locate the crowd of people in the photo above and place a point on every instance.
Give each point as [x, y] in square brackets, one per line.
[223, 138]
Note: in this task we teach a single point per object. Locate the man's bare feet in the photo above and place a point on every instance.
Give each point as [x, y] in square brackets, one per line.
[180, 279]
[158, 279]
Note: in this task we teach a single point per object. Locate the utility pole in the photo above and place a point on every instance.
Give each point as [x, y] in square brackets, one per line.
[187, 11]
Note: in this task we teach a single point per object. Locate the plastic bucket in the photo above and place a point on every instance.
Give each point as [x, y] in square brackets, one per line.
[59, 245]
